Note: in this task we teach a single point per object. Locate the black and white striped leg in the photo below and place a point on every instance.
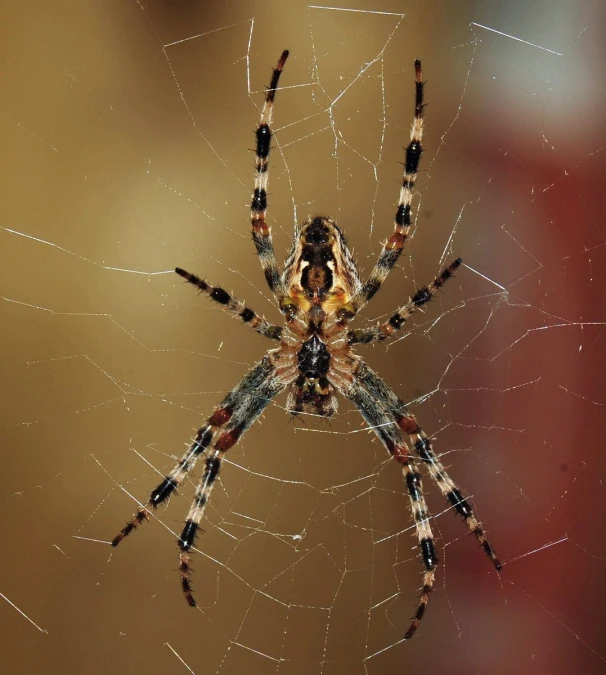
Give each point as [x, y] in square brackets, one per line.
[171, 482]
[397, 320]
[194, 517]
[254, 394]
[419, 440]
[421, 517]
[422, 445]
[393, 247]
[244, 397]
[261, 231]
[234, 306]
[381, 422]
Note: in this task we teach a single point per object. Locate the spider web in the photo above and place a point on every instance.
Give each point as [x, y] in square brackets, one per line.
[125, 130]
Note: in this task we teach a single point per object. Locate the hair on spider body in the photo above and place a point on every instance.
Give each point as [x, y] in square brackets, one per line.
[319, 292]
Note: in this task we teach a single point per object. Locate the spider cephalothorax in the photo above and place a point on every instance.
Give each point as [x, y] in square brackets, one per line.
[319, 293]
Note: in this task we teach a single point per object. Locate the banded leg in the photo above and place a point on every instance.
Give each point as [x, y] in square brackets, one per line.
[402, 221]
[260, 229]
[397, 320]
[234, 306]
[223, 415]
[381, 422]
[192, 523]
[254, 399]
[398, 412]
[171, 482]
[421, 517]
[422, 445]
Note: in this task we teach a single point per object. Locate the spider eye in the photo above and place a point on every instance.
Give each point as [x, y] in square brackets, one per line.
[317, 233]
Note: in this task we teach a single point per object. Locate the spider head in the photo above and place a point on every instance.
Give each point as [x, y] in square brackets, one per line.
[318, 234]
[320, 271]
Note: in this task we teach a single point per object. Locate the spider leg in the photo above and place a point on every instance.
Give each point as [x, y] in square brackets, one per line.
[234, 306]
[397, 320]
[224, 414]
[393, 246]
[253, 397]
[192, 523]
[388, 417]
[261, 231]
[378, 418]
[422, 445]
[171, 482]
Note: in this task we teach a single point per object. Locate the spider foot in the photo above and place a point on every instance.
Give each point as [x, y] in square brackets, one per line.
[428, 579]
[139, 517]
[486, 547]
[185, 571]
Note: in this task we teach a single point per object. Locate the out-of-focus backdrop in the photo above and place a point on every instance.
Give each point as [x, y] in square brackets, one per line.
[126, 132]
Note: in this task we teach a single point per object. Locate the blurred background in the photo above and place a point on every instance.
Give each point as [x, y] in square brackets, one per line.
[126, 132]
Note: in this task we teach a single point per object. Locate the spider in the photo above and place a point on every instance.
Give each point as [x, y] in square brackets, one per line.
[319, 292]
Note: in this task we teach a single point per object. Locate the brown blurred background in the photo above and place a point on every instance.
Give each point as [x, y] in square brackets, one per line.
[126, 132]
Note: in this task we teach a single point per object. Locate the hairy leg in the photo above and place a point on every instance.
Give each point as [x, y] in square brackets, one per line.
[381, 422]
[261, 231]
[421, 443]
[393, 246]
[397, 320]
[234, 306]
[237, 399]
